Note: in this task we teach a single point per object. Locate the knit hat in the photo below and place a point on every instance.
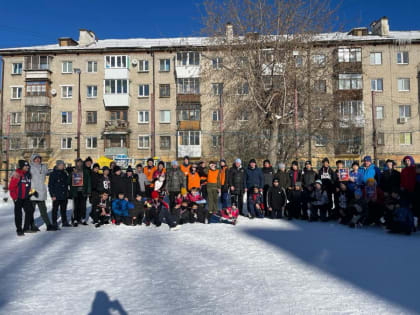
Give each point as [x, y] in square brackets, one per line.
[183, 191]
[367, 158]
[186, 157]
[139, 165]
[36, 156]
[212, 162]
[89, 159]
[390, 161]
[252, 161]
[282, 165]
[22, 164]
[318, 181]
[149, 160]
[96, 165]
[155, 194]
[117, 168]
[129, 169]
[59, 162]
[267, 161]
[174, 163]
[339, 162]
[223, 160]
[325, 160]
[308, 162]
[105, 168]
[295, 163]
[238, 161]
[370, 180]
[161, 163]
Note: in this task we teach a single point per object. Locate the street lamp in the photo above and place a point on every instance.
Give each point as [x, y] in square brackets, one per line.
[79, 114]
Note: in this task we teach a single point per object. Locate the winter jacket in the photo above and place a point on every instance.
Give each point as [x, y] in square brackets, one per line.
[371, 172]
[38, 176]
[253, 177]
[118, 185]
[256, 199]
[58, 185]
[268, 174]
[308, 177]
[95, 178]
[132, 186]
[328, 177]
[390, 180]
[224, 180]
[408, 176]
[175, 180]
[104, 184]
[99, 202]
[149, 171]
[236, 178]
[233, 213]
[121, 207]
[343, 198]
[294, 177]
[276, 197]
[20, 185]
[138, 207]
[194, 198]
[374, 194]
[143, 181]
[83, 175]
[319, 197]
[358, 180]
[185, 168]
[283, 178]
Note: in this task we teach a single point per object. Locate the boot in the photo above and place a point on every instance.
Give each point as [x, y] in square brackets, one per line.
[51, 228]
[34, 228]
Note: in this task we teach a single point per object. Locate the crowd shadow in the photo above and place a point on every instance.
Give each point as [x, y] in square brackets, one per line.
[103, 305]
[382, 264]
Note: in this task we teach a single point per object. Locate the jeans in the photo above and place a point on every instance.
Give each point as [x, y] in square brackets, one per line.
[62, 204]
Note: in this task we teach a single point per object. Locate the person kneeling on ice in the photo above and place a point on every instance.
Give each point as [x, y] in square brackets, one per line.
[342, 200]
[227, 215]
[120, 208]
[357, 210]
[255, 204]
[198, 207]
[158, 212]
[137, 212]
[182, 213]
[319, 202]
[402, 220]
[102, 211]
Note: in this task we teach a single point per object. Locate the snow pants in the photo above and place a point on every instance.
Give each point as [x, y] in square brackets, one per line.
[26, 206]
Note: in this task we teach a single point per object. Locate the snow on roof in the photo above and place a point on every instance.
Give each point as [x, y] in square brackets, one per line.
[398, 36]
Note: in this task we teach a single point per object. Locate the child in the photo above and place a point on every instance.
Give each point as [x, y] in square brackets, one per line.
[342, 200]
[230, 215]
[374, 198]
[402, 219]
[276, 200]
[120, 208]
[197, 205]
[159, 211]
[319, 203]
[137, 213]
[294, 207]
[357, 210]
[182, 213]
[102, 211]
[255, 204]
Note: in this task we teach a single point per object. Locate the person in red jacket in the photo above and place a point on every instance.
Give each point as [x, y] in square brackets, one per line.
[375, 200]
[408, 179]
[20, 191]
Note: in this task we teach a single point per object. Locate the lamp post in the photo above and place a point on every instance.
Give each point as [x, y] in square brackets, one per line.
[221, 123]
[79, 114]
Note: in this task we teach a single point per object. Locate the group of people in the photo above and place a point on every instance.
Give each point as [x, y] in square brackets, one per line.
[213, 193]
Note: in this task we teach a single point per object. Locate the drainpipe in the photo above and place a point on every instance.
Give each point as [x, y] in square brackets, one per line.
[1, 122]
[153, 118]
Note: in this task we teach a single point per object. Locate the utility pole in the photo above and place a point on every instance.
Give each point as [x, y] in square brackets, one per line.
[221, 124]
[374, 135]
[6, 180]
[79, 114]
[296, 122]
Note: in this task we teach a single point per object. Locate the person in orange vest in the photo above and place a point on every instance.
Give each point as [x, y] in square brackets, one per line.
[193, 178]
[224, 183]
[186, 166]
[149, 170]
[213, 187]
[201, 169]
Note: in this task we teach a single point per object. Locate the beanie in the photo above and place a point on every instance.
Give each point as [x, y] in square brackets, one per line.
[117, 168]
[22, 163]
[238, 161]
[96, 165]
[155, 194]
[129, 169]
[59, 162]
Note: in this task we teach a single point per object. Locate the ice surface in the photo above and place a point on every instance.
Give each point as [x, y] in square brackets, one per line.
[256, 267]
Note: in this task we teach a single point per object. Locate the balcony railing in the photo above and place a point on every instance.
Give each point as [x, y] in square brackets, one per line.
[37, 101]
[116, 126]
[351, 149]
[37, 127]
[189, 125]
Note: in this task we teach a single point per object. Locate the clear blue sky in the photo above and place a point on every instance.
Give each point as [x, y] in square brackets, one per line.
[29, 22]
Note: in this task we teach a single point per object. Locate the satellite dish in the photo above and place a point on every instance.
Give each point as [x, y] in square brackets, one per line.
[134, 62]
[53, 92]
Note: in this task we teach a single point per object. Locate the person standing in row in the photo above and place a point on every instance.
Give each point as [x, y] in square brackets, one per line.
[175, 180]
[268, 174]
[253, 177]
[236, 184]
[213, 187]
[58, 187]
[132, 183]
[186, 166]
[224, 183]
[149, 170]
[193, 178]
[80, 189]
[142, 179]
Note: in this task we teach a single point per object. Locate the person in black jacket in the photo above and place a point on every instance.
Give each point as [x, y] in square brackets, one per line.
[133, 187]
[328, 178]
[308, 180]
[276, 200]
[104, 183]
[102, 210]
[295, 175]
[118, 183]
[283, 176]
[59, 188]
[268, 173]
[236, 184]
[137, 213]
[94, 181]
[390, 178]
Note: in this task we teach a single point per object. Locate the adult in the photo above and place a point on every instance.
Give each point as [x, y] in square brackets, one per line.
[118, 183]
[408, 178]
[282, 176]
[236, 184]
[94, 180]
[80, 189]
[132, 183]
[193, 178]
[213, 188]
[175, 180]
[186, 166]
[149, 171]
[142, 178]
[268, 174]
[58, 187]
[19, 188]
[39, 173]
[295, 175]
[328, 178]
[104, 183]
[253, 177]
[390, 178]
[370, 170]
[224, 183]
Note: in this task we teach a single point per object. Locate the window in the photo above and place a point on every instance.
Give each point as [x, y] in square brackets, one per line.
[405, 111]
[298, 61]
[113, 86]
[144, 90]
[216, 115]
[165, 116]
[217, 63]
[217, 89]
[376, 85]
[91, 142]
[116, 62]
[375, 58]
[67, 67]
[244, 116]
[164, 65]
[66, 143]
[189, 137]
[16, 118]
[37, 117]
[243, 89]
[119, 115]
[320, 141]
[17, 68]
[165, 142]
[14, 144]
[350, 82]
[143, 117]
[380, 138]
[92, 66]
[16, 93]
[91, 117]
[406, 138]
[143, 65]
[351, 109]
[164, 90]
[36, 143]
[92, 91]
[379, 112]
[188, 86]
[36, 62]
[36, 88]
[319, 60]
[66, 91]
[66, 117]
[189, 114]
[403, 84]
[402, 57]
[191, 58]
[144, 142]
[350, 55]
[216, 140]
[320, 86]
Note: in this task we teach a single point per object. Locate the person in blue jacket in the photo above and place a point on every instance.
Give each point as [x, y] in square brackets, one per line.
[355, 177]
[370, 170]
[253, 177]
[120, 209]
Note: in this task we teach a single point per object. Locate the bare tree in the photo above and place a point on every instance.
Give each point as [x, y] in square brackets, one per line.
[275, 73]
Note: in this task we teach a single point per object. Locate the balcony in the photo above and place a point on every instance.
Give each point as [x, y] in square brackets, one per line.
[37, 101]
[116, 127]
[348, 149]
[37, 127]
[116, 100]
[190, 71]
[189, 125]
[193, 151]
[188, 98]
[37, 67]
[117, 73]
[352, 121]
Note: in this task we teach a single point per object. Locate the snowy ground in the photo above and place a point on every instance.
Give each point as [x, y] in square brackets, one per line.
[256, 267]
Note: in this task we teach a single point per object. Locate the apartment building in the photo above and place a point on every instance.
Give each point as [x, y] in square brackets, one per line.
[147, 98]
